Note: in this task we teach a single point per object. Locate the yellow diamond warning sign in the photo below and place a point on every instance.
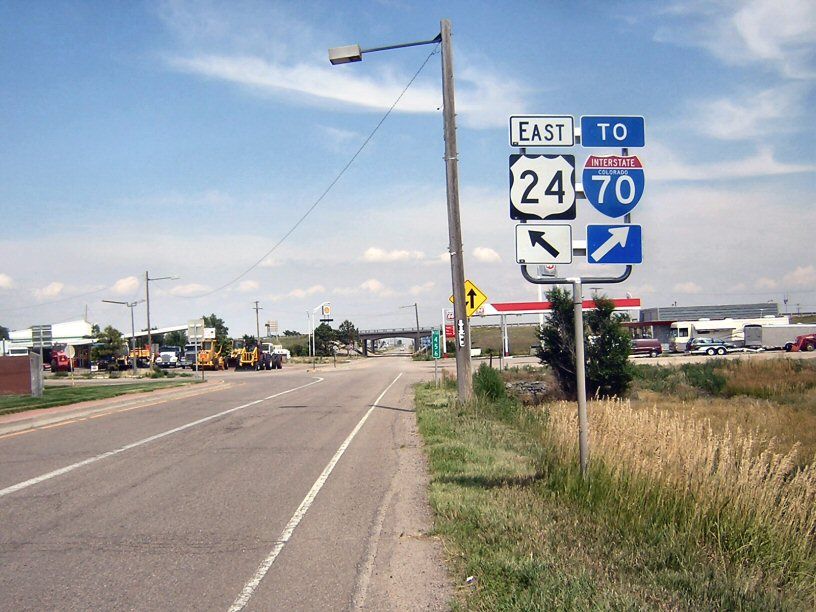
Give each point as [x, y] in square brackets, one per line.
[474, 298]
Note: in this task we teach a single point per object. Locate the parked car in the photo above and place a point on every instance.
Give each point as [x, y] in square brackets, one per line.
[647, 346]
[708, 346]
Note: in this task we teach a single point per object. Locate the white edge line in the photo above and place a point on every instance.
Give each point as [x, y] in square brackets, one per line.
[263, 568]
[70, 468]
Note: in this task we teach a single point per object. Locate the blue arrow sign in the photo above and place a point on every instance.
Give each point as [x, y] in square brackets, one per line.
[601, 131]
[613, 184]
[614, 244]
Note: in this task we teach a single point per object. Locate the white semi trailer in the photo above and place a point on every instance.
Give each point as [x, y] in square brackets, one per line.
[770, 337]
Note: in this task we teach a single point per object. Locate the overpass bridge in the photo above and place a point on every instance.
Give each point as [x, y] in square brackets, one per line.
[373, 335]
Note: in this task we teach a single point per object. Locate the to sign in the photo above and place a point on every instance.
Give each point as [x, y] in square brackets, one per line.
[542, 187]
[613, 184]
[612, 131]
[436, 345]
[543, 244]
[541, 131]
[614, 244]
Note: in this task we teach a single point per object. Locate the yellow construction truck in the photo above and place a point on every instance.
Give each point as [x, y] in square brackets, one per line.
[209, 355]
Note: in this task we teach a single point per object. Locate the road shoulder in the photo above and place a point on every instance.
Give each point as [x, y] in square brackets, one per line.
[406, 565]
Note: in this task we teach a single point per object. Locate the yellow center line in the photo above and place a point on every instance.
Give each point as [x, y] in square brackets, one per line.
[219, 387]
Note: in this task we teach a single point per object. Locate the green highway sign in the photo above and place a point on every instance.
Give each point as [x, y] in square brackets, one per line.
[436, 345]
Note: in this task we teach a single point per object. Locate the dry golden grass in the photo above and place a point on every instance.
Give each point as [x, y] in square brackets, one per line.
[788, 424]
[771, 378]
[726, 472]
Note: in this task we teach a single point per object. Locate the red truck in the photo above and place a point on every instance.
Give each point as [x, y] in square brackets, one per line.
[60, 362]
[803, 343]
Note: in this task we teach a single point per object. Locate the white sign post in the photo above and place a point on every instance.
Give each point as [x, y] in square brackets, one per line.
[195, 330]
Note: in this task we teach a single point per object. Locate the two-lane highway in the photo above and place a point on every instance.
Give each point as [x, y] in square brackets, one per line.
[269, 494]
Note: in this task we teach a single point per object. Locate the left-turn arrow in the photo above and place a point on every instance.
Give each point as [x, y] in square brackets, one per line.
[537, 238]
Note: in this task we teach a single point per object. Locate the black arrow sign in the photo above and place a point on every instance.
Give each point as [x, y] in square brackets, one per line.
[472, 295]
[537, 238]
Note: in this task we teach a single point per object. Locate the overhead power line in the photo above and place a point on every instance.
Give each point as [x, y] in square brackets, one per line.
[325, 191]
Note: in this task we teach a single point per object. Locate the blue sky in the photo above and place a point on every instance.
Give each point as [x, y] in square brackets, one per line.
[186, 138]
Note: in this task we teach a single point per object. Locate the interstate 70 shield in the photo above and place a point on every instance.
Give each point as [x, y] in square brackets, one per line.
[613, 184]
[542, 187]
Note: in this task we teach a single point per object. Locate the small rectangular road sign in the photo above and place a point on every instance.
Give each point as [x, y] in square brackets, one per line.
[436, 345]
[542, 131]
[602, 131]
[614, 244]
[543, 244]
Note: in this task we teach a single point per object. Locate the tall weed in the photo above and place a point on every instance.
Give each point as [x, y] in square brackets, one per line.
[750, 504]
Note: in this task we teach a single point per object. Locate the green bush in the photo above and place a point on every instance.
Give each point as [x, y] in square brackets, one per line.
[488, 383]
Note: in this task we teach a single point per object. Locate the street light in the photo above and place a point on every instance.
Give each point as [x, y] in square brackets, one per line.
[416, 313]
[147, 299]
[130, 305]
[353, 53]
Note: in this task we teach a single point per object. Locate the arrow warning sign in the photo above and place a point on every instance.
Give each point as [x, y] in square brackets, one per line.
[474, 298]
[543, 244]
[614, 244]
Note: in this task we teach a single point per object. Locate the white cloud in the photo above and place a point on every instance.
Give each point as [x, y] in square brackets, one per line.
[486, 255]
[375, 287]
[126, 285]
[666, 166]
[484, 98]
[778, 35]
[423, 288]
[802, 276]
[248, 285]
[377, 255]
[765, 283]
[270, 262]
[302, 293]
[189, 289]
[50, 291]
[6, 282]
[687, 287]
[755, 114]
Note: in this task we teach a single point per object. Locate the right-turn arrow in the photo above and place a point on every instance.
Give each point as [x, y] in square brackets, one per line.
[537, 238]
[617, 237]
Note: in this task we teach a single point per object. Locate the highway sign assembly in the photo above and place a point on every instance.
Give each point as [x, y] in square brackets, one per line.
[604, 131]
[542, 187]
[474, 298]
[614, 244]
[613, 184]
[541, 243]
[542, 131]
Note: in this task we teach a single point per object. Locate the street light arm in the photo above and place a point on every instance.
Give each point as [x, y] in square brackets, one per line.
[435, 40]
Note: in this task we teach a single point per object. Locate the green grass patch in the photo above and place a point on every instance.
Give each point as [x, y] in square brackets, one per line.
[516, 515]
[60, 396]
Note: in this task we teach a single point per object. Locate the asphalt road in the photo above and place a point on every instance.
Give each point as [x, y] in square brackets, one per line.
[278, 491]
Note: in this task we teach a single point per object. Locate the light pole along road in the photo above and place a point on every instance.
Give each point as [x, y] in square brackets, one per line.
[130, 305]
[353, 53]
